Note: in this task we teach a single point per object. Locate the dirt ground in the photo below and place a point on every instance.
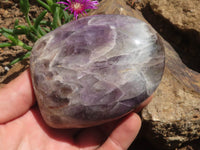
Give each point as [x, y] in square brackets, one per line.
[9, 12]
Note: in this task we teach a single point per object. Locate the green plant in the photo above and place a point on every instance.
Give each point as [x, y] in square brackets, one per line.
[37, 27]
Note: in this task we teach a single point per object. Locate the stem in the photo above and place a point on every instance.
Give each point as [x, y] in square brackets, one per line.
[32, 27]
[44, 5]
[28, 20]
[56, 18]
[20, 43]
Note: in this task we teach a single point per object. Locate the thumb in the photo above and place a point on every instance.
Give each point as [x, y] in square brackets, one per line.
[16, 97]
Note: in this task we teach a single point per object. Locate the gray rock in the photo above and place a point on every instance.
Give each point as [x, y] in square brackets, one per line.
[94, 70]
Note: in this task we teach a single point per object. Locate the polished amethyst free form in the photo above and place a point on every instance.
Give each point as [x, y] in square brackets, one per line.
[95, 69]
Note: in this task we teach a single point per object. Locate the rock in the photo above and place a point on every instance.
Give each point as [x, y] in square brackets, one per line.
[173, 116]
[183, 14]
[118, 7]
[94, 70]
[178, 22]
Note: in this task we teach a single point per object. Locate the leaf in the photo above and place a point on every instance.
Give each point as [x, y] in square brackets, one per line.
[43, 4]
[42, 32]
[68, 17]
[20, 58]
[29, 48]
[32, 37]
[46, 29]
[49, 2]
[39, 19]
[20, 31]
[22, 44]
[21, 27]
[5, 44]
[16, 23]
[10, 37]
[24, 6]
[46, 23]
[9, 31]
[56, 18]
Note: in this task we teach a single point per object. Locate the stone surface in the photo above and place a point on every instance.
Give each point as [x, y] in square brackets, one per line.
[178, 22]
[184, 14]
[173, 116]
[94, 70]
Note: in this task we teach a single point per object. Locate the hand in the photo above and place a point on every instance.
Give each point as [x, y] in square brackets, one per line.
[22, 128]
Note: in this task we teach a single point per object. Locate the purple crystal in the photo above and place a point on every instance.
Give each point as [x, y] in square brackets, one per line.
[95, 69]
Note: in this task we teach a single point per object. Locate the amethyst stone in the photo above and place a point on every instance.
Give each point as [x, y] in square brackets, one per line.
[95, 69]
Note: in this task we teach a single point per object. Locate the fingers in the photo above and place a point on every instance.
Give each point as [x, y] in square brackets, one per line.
[124, 134]
[89, 138]
[16, 97]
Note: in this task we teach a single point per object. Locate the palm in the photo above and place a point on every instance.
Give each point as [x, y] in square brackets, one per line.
[29, 132]
[22, 127]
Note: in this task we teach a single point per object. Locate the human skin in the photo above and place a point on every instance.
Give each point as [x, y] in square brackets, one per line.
[22, 127]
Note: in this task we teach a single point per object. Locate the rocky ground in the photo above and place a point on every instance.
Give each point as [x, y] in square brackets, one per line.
[177, 21]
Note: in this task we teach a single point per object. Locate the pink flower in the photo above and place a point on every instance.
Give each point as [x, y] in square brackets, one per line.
[79, 6]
